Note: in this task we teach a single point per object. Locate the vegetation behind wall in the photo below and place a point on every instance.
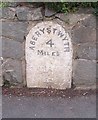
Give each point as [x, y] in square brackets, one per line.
[65, 7]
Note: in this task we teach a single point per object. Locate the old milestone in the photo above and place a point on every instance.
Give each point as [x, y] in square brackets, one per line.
[48, 56]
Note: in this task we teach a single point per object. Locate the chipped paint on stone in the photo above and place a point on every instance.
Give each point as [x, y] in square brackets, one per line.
[48, 56]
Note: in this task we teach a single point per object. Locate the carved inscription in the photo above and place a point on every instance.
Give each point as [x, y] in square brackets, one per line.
[49, 42]
[48, 56]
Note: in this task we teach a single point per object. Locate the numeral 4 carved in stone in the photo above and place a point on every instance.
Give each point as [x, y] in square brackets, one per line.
[50, 43]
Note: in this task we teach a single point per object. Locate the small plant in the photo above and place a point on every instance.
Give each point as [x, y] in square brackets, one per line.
[3, 4]
[6, 83]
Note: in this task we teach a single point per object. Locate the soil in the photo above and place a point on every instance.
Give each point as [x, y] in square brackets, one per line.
[46, 92]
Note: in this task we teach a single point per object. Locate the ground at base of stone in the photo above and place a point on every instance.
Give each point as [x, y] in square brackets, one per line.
[47, 92]
[48, 103]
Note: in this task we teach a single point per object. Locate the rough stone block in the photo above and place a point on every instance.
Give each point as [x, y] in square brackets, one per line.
[24, 72]
[0, 47]
[84, 72]
[7, 13]
[71, 19]
[14, 30]
[1, 81]
[82, 34]
[87, 51]
[13, 4]
[84, 26]
[89, 21]
[0, 62]
[12, 49]
[86, 19]
[85, 10]
[97, 51]
[49, 13]
[26, 13]
[12, 71]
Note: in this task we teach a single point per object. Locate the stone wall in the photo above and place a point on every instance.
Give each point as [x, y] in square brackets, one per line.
[17, 20]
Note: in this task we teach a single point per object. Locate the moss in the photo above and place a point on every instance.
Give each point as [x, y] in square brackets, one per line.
[3, 4]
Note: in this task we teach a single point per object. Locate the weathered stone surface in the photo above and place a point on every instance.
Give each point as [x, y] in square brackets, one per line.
[0, 27]
[26, 13]
[12, 49]
[81, 34]
[46, 63]
[85, 11]
[48, 56]
[97, 51]
[0, 62]
[13, 4]
[49, 13]
[96, 74]
[30, 25]
[14, 30]
[84, 72]
[12, 71]
[7, 13]
[26, 4]
[24, 72]
[1, 81]
[71, 19]
[0, 47]
[90, 21]
[87, 51]
[67, 27]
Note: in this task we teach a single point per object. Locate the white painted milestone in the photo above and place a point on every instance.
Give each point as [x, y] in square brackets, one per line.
[48, 56]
